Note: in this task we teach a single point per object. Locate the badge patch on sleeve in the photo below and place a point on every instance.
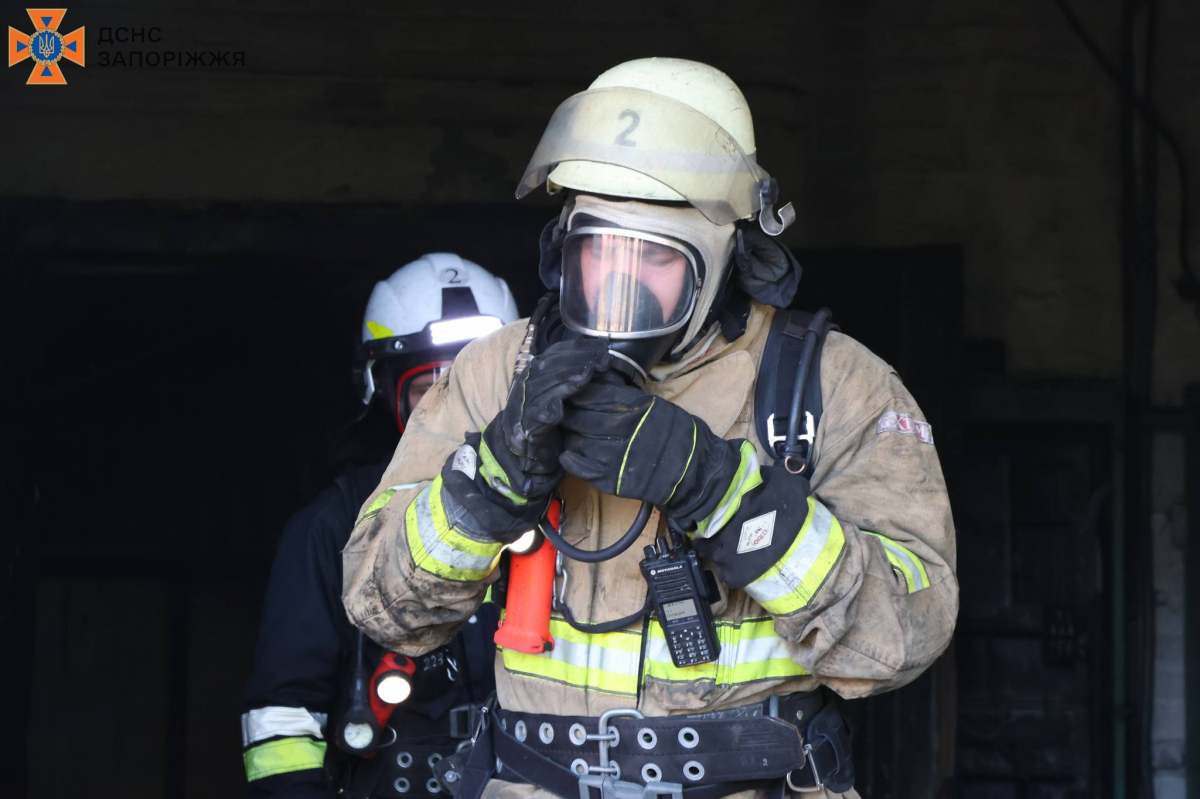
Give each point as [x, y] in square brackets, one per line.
[892, 422]
[465, 460]
[757, 533]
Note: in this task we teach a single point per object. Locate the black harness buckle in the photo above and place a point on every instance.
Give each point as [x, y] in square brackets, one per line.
[465, 721]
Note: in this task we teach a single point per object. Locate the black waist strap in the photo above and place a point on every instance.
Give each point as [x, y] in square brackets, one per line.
[702, 756]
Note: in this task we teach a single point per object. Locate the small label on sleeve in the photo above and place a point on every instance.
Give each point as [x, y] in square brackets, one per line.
[757, 533]
[465, 461]
[904, 423]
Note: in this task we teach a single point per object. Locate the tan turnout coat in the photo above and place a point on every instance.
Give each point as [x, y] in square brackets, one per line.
[873, 625]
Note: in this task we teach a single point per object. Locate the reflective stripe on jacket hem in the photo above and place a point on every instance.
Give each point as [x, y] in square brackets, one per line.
[606, 662]
[750, 651]
[609, 663]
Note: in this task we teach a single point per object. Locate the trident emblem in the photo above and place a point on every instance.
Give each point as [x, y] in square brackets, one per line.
[46, 45]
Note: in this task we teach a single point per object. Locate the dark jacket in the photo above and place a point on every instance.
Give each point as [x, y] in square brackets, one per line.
[301, 671]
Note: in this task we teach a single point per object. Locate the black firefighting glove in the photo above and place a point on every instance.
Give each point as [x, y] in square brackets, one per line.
[631, 444]
[502, 477]
[742, 517]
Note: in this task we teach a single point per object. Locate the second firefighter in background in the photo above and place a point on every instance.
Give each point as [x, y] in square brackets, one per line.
[416, 321]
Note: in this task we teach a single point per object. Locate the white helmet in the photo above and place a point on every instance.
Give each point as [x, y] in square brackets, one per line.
[419, 318]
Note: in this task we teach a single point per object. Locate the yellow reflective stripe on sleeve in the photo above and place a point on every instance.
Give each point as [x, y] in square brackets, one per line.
[282, 756]
[745, 479]
[440, 549]
[903, 561]
[376, 506]
[495, 476]
[789, 585]
[750, 651]
[605, 662]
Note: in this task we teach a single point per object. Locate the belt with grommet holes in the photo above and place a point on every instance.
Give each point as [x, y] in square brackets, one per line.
[623, 755]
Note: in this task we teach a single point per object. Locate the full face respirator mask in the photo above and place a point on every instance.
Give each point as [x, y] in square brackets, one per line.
[633, 274]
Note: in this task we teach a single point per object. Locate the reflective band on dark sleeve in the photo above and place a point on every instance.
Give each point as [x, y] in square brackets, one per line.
[283, 756]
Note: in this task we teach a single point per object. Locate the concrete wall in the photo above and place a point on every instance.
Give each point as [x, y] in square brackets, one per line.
[984, 123]
[1169, 527]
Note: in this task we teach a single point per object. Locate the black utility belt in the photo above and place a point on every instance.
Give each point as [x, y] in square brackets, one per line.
[624, 755]
[404, 767]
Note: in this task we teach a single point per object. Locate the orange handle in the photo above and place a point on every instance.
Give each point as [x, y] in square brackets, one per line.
[526, 623]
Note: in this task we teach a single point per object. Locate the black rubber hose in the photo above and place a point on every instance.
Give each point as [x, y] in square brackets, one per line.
[795, 412]
[607, 553]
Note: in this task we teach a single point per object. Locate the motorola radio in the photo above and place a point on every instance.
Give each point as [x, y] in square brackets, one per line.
[682, 594]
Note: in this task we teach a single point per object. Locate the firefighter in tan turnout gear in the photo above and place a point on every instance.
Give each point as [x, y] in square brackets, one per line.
[833, 551]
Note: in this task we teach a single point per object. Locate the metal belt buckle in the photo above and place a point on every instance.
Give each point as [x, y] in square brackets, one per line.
[774, 438]
[812, 764]
[605, 777]
[483, 718]
[464, 721]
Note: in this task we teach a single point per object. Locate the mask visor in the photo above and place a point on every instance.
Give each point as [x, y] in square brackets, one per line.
[626, 284]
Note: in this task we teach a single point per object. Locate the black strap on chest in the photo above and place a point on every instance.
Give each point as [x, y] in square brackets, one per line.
[787, 395]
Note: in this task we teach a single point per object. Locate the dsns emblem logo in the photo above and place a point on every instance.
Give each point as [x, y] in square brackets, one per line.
[46, 46]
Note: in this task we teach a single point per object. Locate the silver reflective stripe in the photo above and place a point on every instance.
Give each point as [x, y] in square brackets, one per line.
[755, 650]
[276, 721]
[733, 653]
[787, 576]
[656, 650]
[595, 657]
[903, 556]
[440, 550]
[749, 469]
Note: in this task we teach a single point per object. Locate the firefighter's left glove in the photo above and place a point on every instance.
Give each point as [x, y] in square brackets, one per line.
[503, 477]
[631, 444]
[522, 443]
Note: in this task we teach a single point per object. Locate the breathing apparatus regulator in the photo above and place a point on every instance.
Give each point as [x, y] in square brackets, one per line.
[658, 160]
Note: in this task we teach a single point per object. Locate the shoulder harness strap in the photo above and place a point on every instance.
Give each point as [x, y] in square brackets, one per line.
[787, 396]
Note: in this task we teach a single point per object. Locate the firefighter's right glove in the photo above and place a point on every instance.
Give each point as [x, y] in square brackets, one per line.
[504, 476]
[743, 518]
[629, 443]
